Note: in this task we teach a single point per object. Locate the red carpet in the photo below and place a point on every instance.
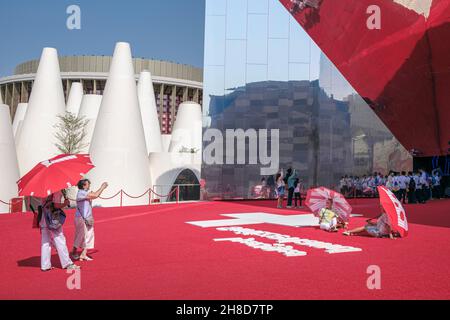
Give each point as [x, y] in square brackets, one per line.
[151, 253]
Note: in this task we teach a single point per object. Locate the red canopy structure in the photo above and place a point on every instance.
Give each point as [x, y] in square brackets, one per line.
[402, 69]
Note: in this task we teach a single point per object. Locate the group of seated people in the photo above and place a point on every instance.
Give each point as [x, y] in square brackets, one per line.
[376, 227]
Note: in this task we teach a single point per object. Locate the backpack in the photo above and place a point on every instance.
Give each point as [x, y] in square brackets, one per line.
[55, 218]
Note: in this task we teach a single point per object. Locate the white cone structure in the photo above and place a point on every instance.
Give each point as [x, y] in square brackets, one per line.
[37, 137]
[184, 151]
[75, 98]
[187, 130]
[20, 115]
[166, 138]
[8, 160]
[149, 113]
[118, 147]
[89, 109]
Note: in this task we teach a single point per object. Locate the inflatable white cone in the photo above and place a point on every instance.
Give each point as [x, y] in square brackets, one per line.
[8, 160]
[75, 97]
[118, 147]
[150, 121]
[20, 115]
[187, 129]
[166, 138]
[37, 137]
[90, 107]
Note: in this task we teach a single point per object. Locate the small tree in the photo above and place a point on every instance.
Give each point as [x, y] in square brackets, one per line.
[71, 133]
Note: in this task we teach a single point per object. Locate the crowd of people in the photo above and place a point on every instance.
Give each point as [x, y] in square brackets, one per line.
[409, 187]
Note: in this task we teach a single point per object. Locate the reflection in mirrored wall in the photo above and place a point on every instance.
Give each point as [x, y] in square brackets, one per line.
[262, 71]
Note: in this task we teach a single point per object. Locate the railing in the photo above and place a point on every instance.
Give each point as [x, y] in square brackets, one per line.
[184, 192]
[177, 194]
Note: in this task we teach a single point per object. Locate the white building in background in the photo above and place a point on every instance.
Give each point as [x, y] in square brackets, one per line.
[115, 131]
[8, 160]
[173, 83]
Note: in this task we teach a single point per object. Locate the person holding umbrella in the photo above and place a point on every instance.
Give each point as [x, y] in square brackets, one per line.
[45, 181]
[328, 220]
[377, 229]
[84, 220]
[330, 207]
[52, 233]
[391, 223]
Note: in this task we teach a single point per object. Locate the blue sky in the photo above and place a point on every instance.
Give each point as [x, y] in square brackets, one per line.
[161, 29]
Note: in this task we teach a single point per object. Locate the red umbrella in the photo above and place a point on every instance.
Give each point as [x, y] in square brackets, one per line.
[55, 174]
[394, 210]
[317, 198]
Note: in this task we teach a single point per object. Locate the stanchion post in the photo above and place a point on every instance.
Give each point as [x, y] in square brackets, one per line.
[178, 194]
[121, 198]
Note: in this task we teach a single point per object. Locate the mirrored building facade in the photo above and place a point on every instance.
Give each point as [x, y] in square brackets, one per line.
[262, 71]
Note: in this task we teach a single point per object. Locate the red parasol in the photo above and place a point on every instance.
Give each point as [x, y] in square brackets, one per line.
[394, 210]
[54, 175]
[316, 199]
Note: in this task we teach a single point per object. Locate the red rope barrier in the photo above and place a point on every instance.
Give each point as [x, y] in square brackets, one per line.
[129, 196]
[164, 196]
[110, 198]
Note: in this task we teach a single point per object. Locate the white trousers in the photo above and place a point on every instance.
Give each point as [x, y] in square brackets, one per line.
[84, 235]
[55, 237]
[328, 226]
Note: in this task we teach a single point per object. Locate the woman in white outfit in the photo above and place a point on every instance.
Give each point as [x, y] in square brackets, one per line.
[84, 220]
[53, 236]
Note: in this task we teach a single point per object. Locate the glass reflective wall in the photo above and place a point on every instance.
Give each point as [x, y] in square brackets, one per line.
[263, 72]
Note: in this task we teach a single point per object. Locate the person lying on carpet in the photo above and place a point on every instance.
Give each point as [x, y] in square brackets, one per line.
[377, 229]
[84, 220]
[330, 221]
